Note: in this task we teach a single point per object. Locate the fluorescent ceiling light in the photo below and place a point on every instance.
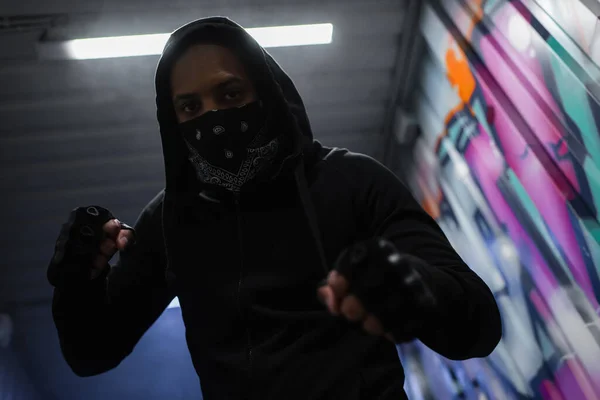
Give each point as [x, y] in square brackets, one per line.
[295, 35]
[144, 45]
[115, 46]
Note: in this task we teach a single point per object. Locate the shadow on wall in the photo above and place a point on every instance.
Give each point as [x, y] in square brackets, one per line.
[509, 165]
[159, 368]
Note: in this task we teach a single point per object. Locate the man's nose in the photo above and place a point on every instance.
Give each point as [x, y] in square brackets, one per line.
[209, 104]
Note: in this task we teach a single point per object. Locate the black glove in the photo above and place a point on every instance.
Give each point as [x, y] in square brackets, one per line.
[77, 245]
[389, 285]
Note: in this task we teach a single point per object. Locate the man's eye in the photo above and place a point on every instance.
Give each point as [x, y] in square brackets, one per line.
[190, 107]
[233, 94]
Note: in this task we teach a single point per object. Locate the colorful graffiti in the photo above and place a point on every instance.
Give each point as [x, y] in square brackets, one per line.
[509, 165]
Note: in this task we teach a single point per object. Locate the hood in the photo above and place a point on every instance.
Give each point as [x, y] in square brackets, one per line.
[285, 109]
[285, 113]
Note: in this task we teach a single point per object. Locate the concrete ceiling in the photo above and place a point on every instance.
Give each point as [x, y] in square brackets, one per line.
[83, 132]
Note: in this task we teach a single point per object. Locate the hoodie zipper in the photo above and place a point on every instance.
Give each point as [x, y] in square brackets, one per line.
[239, 289]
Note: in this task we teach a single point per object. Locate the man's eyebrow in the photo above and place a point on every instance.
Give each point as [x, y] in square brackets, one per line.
[184, 96]
[229, 81]
[221, 85]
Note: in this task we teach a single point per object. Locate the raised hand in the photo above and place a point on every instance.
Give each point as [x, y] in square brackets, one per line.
[85, 245]
[383, 290]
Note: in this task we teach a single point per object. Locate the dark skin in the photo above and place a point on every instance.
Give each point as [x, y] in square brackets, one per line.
[210, 77]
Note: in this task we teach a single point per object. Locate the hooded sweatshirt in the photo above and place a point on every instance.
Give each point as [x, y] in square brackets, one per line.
[246, 267]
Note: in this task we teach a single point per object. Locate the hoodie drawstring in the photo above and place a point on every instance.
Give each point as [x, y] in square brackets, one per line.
[311, 216]
[309, 212]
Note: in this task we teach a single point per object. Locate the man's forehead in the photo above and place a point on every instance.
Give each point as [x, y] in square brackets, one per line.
[216, 64]
[207, 55]
[188, 87]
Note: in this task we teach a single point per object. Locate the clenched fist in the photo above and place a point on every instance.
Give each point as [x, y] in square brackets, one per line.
[117, 236]
[86, 243]
[375, 285]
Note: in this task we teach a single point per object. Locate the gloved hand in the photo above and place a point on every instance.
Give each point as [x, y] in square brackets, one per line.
[86, 243]
[374, 285]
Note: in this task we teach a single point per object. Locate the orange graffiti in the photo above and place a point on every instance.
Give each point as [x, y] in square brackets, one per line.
[459, 74]
[458, 71]
[476, 17]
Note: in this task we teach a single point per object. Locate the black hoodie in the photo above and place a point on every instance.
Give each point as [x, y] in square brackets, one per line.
[246, 268]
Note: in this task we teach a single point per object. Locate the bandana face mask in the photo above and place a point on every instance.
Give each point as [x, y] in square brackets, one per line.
[230, 147]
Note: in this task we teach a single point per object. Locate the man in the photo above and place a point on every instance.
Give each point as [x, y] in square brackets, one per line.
[298, 267]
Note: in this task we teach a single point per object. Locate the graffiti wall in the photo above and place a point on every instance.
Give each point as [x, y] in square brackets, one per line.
[509, 165]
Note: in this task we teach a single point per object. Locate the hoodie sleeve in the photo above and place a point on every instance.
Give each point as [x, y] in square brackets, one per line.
[100, 323]
[471, 325]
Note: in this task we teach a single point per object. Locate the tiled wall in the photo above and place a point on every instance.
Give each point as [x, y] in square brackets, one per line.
[509, 165]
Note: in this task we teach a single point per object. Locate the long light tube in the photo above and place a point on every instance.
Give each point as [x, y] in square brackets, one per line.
[143, 45]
